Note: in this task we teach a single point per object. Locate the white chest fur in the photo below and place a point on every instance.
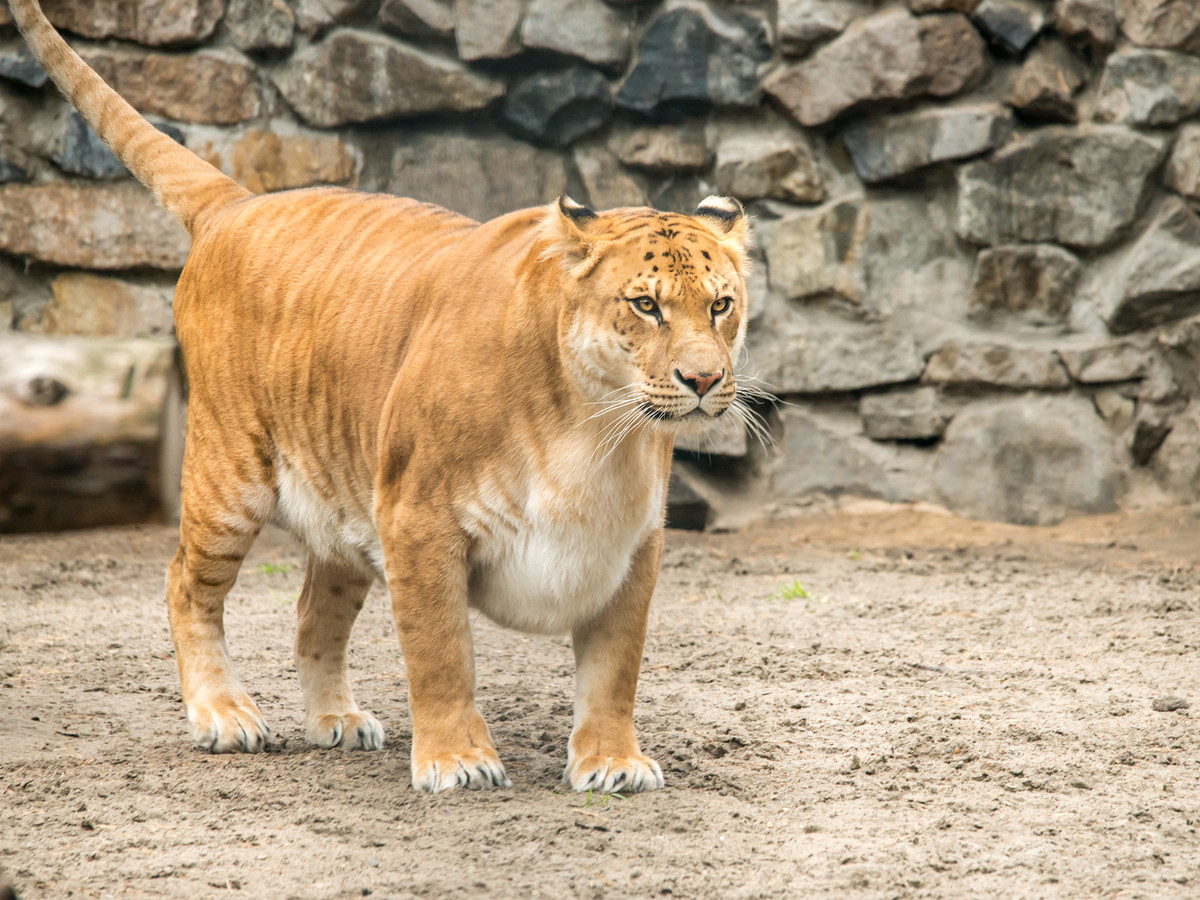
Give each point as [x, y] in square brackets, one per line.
[551, 553]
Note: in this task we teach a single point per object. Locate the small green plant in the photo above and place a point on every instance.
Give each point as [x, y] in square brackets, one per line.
[274, 568]
[599, 800]
[282, 599]
[856, 554]
[792, 591]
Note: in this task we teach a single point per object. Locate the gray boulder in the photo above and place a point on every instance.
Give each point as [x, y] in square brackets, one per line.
[1056, 184]
[1031, 460]
[10, 172]
[1109, 361]
[487, 29]
[1033, 283]
[1162, 274]
[664, 148]
[1170, 24]
[589, 29]
[1183, 168]
[818, 253]
[606, 183]
[905, 415]
[1092, 23]
[418, 18]
[557, 107]
[17, 64]
[889, 56]
[1010, 24]
[806, 23]
[817, 360]
[890, 147]
[356, 76]
[80, 151]
[974, 364]
[693, 57]
[481, 177]
[1176, 464]
[1149, 88]
[1047, 84]
[260, 24]
[768, 160]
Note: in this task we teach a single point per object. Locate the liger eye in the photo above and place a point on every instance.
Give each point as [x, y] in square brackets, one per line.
[646, 305]
[721, 305]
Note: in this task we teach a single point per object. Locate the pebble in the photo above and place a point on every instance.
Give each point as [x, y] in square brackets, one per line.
[1169, 703]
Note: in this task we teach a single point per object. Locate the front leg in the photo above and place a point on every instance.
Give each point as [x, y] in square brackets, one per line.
[603, 753]
[427, 578]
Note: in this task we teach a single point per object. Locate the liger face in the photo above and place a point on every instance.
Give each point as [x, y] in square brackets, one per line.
[662, 321]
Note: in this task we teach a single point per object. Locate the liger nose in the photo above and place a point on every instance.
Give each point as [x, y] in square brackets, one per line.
[700, 382]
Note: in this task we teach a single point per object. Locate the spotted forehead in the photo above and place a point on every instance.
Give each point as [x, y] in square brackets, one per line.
[677, 257]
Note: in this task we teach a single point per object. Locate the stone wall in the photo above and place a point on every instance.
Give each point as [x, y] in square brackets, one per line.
[977, 262]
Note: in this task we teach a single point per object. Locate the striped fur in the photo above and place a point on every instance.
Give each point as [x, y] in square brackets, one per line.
[480, 414]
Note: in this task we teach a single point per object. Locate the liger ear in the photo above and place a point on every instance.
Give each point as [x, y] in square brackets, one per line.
[568, 228]
[726, 217]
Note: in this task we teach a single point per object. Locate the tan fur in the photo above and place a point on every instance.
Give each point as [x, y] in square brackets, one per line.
[480, 414]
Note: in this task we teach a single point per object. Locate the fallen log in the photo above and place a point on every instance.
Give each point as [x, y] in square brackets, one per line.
[90, 431]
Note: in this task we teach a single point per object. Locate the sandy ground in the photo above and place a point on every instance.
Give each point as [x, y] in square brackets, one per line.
[868, 702]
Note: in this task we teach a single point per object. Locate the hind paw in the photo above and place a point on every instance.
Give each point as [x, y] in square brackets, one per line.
[349, 731]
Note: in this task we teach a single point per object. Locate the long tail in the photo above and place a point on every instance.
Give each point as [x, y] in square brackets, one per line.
[184, 184]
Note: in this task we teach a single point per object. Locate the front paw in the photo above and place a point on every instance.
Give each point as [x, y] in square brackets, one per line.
[606, 774]
[228, 723]
[349, 731]
[478, 768]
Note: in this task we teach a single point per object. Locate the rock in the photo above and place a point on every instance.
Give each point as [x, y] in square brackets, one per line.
[1107, 362]
[260, 24]
[825, 452]
[1091, 22]
[890, 56]
[1162, 274]
[1056, 184]
[816, 253]
[607, 184]
[315, 17]
[665, 148]
[1149, 88]
[1031, 282]
[9, 172]
[95, 306]
[1169, 703]
[890, 147]
[1010, 24]
[355, 76]
[152, 22]
[1046, 85]
[688, 503]
[928, 6]
[1183, 168]
[474, 175]
[906, 415]
[768, 160]
[275, 160]
[168, 84]
[691, 58]
[18, 64]
[817, 360]
[418, 18]
[804, 23]
[80, 151]
[1149, 431]
[589, 29]
[1116, 409]
[557, 107]
[1169, 24]
[1031, 460]
[1176, 463]
[110, 226]
[974, 364]
[487, 29]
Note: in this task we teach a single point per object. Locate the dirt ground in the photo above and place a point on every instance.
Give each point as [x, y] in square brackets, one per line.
[863, 702]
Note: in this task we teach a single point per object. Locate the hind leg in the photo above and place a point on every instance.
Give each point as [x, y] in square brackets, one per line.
[220, 518]
[328, 605]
